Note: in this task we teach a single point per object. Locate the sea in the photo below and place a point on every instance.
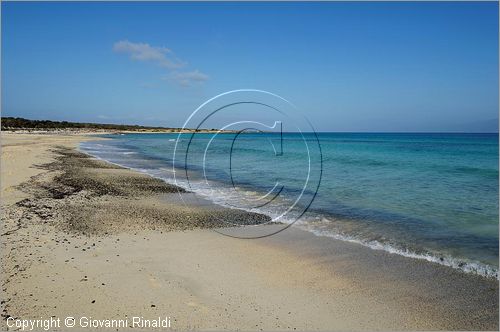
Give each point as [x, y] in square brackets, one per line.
[431, 196]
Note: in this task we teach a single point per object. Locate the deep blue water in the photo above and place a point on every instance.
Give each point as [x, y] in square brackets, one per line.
[432, 196]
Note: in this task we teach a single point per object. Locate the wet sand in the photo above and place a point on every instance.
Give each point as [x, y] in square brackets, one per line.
[81, 237]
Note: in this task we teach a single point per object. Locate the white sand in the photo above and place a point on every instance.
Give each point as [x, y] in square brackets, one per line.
[201, 279]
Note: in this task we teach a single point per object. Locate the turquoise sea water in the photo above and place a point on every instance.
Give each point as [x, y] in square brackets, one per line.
[430, 196]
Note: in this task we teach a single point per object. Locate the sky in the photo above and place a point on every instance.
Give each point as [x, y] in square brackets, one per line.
[418, 66]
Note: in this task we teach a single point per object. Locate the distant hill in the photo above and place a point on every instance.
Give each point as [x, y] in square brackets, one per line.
[484, 126]
[11, 123]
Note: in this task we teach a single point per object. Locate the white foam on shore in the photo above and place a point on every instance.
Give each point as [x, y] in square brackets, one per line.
[226, 200]
[465, 266]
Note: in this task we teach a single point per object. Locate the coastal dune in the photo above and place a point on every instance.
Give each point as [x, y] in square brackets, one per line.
[85, 238]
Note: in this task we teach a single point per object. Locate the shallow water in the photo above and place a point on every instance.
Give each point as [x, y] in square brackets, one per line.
[431, 196]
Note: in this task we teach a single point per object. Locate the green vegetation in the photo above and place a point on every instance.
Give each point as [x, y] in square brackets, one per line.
[10, 123]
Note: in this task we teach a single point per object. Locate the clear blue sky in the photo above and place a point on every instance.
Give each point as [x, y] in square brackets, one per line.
[347, 66]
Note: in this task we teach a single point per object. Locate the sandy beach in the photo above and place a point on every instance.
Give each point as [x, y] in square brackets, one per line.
[84, 238]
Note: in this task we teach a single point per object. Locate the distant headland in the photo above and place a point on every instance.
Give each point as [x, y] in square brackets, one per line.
[26, 125]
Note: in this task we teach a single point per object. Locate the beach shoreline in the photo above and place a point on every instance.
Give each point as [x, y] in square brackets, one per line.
[86, 238]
